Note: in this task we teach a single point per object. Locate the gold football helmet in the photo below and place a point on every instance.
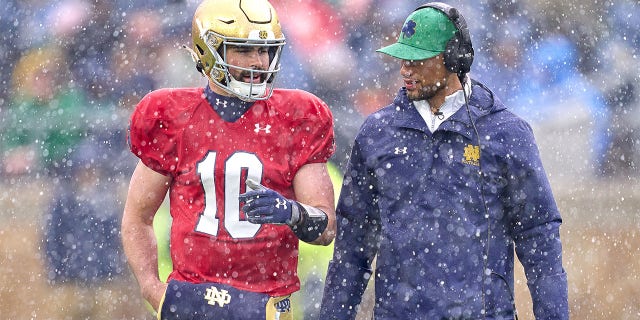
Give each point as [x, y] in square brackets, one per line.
[218, 24]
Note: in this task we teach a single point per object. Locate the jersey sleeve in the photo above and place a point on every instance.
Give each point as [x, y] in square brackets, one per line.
[317, 144]
[153, 133]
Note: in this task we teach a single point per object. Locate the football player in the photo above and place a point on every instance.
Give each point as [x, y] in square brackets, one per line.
[244, 166]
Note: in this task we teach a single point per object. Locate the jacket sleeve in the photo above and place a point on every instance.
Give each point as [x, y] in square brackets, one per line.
[356, 243]
[535, 226]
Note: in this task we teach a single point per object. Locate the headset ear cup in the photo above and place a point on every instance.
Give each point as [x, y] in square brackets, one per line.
[466, 59]
[465, 53]
[451, 53]
[458, 55]
[465, 48]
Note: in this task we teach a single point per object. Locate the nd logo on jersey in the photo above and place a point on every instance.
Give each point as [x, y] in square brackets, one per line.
[221, 297]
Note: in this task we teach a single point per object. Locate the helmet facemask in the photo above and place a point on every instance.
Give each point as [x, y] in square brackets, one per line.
[220, 24]
[220, 74]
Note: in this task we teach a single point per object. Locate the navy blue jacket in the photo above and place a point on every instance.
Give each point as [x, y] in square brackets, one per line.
[415, 199]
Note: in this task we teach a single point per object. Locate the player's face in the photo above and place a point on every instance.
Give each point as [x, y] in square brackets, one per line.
[424, 78]
[256, 58]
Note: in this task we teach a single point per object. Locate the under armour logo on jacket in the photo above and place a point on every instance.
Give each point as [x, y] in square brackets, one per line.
[402, 150]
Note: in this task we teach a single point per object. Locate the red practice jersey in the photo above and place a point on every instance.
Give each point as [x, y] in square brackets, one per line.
[176, 132]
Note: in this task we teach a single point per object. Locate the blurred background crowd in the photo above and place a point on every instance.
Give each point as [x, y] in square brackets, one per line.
[71, 71]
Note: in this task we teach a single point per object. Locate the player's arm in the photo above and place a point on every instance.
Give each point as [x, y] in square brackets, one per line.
[311, 217]
[147, 190]
[314, 190]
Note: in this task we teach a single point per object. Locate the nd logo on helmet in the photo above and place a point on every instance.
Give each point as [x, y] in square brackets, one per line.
[263, 34]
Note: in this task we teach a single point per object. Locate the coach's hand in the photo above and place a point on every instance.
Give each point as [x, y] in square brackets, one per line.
[263, 205]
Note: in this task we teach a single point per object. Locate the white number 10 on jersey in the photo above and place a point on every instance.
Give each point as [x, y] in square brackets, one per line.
[233, 169]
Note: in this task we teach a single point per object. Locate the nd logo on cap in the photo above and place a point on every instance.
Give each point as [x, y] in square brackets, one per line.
[424, 35]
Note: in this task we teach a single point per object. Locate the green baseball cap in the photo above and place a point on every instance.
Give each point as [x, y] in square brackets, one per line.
[424, 35]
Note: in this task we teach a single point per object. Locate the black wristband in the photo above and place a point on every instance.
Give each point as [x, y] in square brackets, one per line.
[312, 224]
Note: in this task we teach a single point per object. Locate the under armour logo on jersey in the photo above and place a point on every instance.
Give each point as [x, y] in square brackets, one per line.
[221, 102]
[281, 202]
[283, 306]
[214, 296]
[402, 150]
[266, 129]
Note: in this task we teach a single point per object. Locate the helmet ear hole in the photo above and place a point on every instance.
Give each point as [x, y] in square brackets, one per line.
[200, 50]
[199, 66]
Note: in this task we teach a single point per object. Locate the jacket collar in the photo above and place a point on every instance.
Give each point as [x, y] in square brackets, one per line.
[481, 104]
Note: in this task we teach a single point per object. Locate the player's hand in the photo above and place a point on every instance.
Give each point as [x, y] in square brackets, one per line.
[263, 205]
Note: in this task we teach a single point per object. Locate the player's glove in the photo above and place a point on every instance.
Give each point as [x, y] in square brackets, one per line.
[263, 205]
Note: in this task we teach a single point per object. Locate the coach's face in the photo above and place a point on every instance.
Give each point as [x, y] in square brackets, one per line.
[423, 79]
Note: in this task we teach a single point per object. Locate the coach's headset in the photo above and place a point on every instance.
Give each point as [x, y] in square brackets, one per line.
[458, 58]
